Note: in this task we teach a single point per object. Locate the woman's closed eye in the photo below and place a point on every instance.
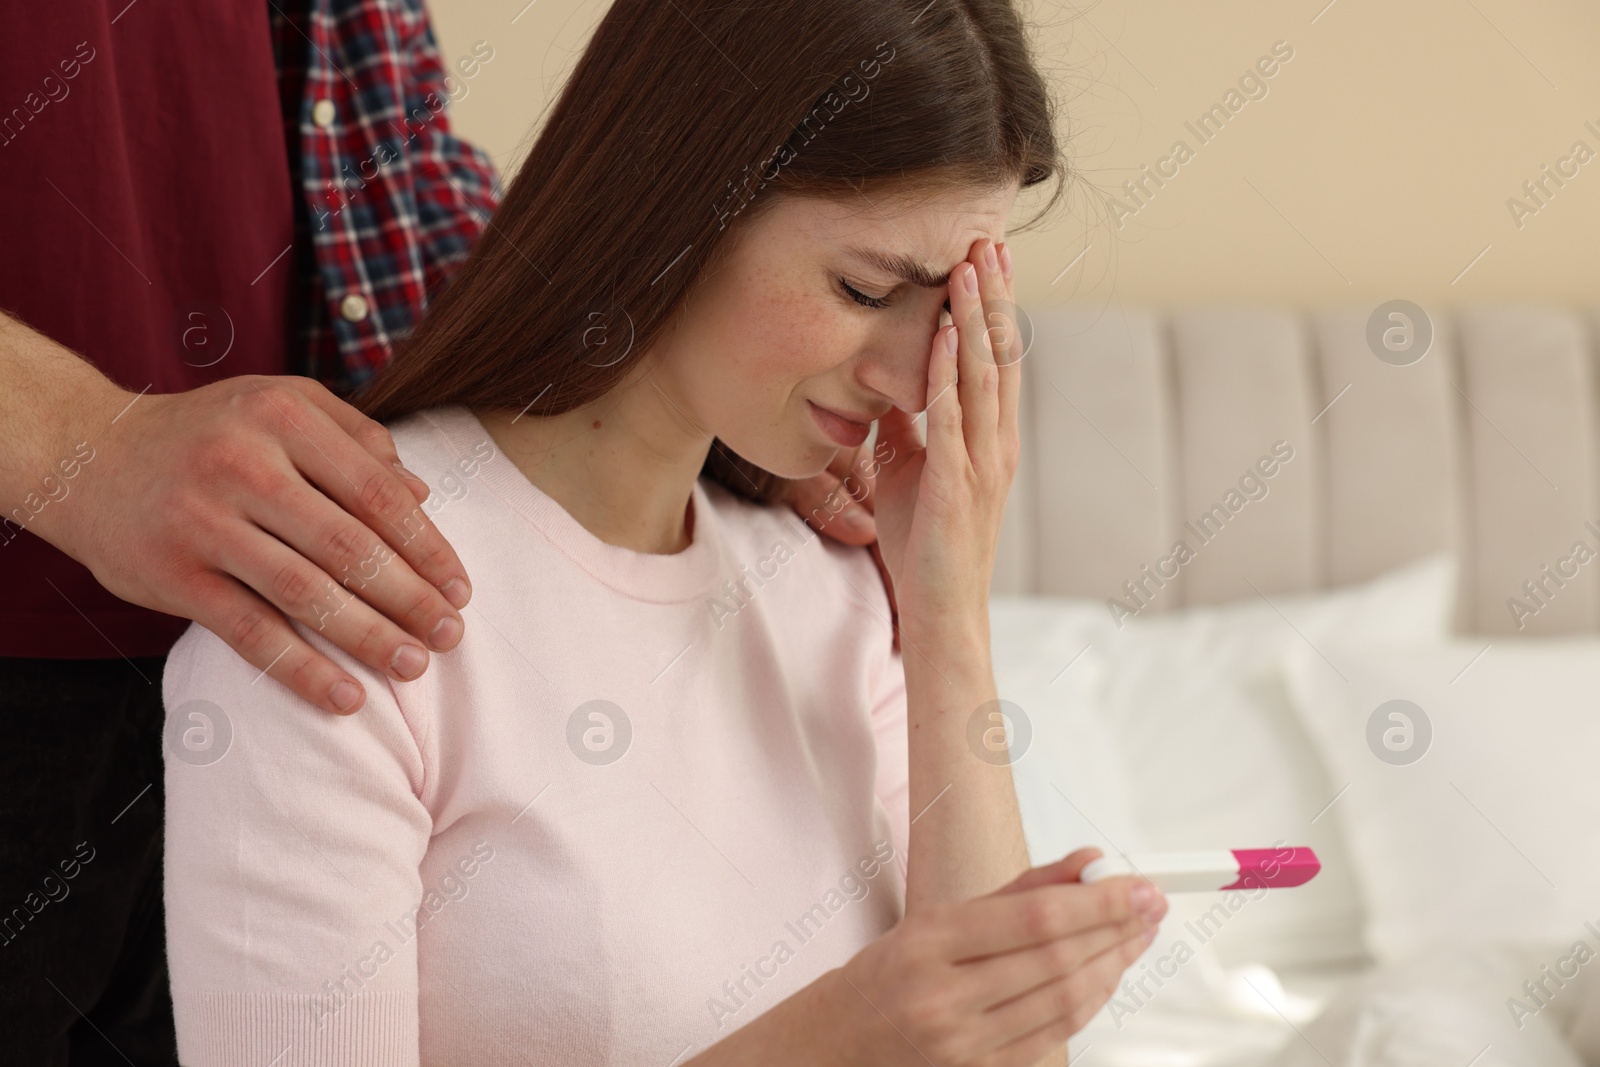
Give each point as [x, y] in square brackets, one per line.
[878, 302]
[862, 298]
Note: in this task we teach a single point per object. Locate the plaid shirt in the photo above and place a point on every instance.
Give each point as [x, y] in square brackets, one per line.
[389, 202]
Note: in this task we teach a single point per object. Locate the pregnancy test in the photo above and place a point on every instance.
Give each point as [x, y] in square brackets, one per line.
[1211, 871]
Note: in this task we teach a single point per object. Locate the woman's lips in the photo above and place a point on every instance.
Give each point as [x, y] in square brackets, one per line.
[847, 433]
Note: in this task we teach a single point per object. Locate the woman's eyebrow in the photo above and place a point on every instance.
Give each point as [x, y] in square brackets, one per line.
[901, 266]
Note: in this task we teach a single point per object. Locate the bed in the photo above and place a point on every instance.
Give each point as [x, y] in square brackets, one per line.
[1320, 578]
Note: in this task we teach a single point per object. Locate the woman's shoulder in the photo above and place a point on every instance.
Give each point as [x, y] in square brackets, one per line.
[200, 662]
[442, 442]
[217, 700]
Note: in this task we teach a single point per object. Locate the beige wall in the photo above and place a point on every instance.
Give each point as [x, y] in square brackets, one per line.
[1378, 164]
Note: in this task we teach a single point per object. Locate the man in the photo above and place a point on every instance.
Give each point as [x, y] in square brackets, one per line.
[199, 201]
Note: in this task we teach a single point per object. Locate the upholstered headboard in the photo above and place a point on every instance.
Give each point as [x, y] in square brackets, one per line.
[1144, 429]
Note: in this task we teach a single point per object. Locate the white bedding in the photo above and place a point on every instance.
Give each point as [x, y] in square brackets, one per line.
[1446, 1008]
[1119, 729]
[1175, 733]
[1249, 1015]
[1486, 825]
[1452, 1007]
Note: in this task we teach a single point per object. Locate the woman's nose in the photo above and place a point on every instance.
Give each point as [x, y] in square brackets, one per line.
[898, 368]
[900, 371]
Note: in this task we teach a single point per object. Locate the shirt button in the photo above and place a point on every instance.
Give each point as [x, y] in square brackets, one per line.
[322, 113]
[353, 307]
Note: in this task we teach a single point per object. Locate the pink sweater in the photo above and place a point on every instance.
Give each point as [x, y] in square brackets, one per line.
[647, 798]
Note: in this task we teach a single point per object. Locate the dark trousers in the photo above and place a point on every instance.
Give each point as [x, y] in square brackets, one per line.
[83, 963]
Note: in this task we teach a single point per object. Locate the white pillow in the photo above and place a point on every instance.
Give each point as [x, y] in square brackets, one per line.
[1212, 756]
[1494, 833]
[1049, 669]
[1068, 779]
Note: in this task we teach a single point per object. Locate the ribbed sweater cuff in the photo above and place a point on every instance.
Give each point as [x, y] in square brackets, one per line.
[372, 1029]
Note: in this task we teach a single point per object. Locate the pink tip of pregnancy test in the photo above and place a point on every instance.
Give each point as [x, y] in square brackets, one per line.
[1275, 868]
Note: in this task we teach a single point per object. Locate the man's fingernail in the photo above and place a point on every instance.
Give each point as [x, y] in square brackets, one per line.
[401, 470]
[457, 592]
[345, 694]
[409, 661]
[445, 634]
[1143, 898]
[1149, 935]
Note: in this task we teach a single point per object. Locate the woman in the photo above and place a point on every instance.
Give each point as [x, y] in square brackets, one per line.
[667, 816]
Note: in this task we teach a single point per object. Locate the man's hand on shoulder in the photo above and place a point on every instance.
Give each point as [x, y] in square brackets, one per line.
[256, 500]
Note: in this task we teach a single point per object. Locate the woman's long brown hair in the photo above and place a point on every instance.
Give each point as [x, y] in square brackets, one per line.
[681, 120]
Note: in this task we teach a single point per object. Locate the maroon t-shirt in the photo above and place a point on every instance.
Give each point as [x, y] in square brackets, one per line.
[146, 218]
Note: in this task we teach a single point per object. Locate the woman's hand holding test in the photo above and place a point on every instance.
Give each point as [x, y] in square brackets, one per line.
[988, 967]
